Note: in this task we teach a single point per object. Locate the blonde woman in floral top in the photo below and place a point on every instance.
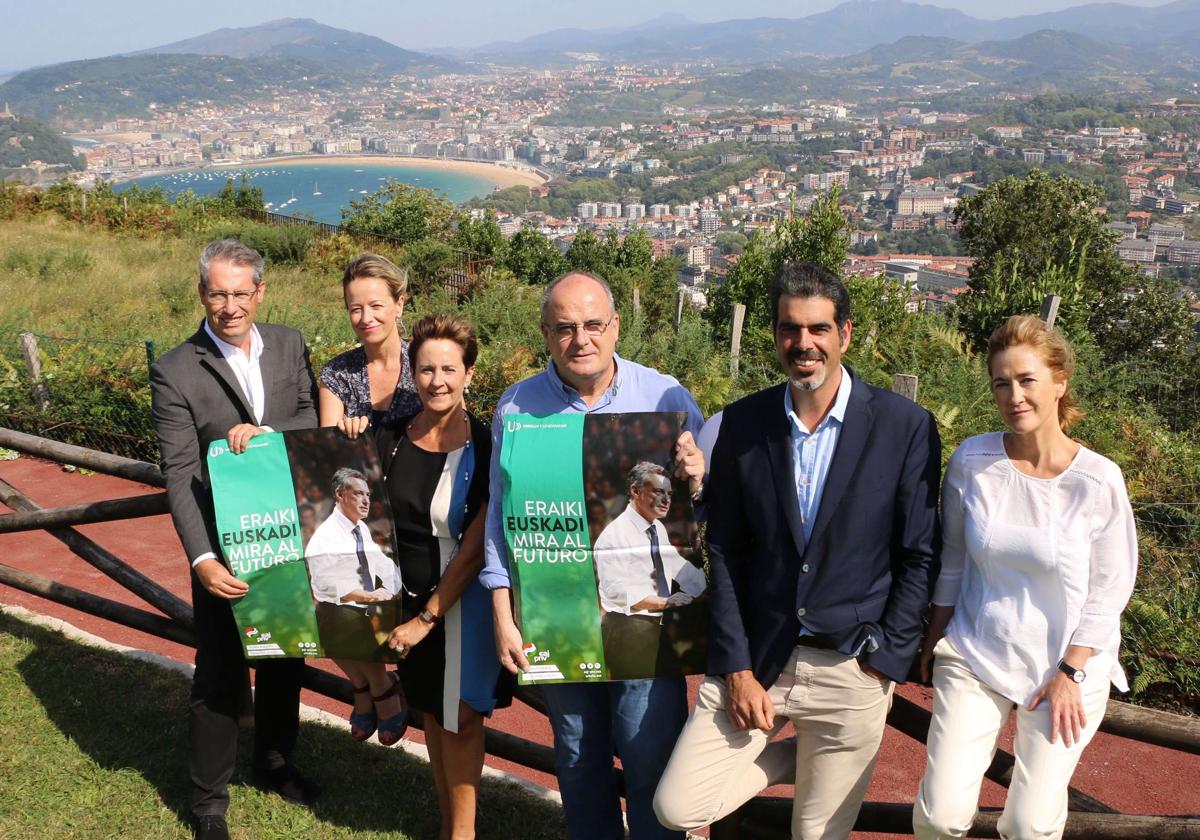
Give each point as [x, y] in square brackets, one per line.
[372, 383]
[360, 389]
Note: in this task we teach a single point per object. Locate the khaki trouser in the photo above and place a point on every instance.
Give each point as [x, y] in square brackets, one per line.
[839, 713]
[967, 719]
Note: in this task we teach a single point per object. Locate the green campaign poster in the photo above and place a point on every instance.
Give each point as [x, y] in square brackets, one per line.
[602, 547]
[303, 518]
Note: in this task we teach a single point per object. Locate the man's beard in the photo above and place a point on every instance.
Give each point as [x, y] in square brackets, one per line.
[811, 383]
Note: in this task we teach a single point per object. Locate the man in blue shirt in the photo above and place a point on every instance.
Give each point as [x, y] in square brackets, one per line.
[823, 538]
[637, 720]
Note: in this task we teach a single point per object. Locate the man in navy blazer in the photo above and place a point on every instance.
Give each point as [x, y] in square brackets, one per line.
[823, 537]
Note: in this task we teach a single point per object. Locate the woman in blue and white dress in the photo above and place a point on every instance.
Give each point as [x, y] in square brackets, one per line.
[436, 472]
[1038, 561]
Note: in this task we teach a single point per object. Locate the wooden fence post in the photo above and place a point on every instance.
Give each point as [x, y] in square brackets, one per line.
[33, 361]
[905, 385]
[637, 300]
[1050, 309]
[735, 337]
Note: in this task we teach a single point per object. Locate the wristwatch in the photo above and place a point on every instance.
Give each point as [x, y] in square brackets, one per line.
[1075, 674]
[429, 618]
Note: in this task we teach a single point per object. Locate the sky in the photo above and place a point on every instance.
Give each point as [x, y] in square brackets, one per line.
[39, 33]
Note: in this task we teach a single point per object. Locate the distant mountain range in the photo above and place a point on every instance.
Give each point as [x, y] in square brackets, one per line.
[1038, 54]
[852, 27]
[880, 45]
[301, 39]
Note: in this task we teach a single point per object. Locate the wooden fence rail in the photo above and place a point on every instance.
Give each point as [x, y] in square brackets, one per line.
[763, 817]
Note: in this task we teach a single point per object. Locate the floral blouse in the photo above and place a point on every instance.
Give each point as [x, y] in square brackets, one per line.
[346, 377]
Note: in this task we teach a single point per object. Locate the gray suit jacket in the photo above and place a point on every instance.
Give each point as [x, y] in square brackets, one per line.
[197, 399]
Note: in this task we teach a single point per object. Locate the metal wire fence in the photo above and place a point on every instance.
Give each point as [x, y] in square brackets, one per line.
[88, 391]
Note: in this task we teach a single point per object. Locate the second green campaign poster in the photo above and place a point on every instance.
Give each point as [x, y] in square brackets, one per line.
[602, 547]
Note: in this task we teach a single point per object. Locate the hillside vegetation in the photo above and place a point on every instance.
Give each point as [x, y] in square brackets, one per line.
[25, 140]
[134, 86]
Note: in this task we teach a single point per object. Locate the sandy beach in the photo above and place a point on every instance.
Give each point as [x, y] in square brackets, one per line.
[501, 174]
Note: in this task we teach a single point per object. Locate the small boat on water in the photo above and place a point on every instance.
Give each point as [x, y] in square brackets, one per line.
[316, 189]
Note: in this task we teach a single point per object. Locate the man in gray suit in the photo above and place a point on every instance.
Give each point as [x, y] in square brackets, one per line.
[233, 379]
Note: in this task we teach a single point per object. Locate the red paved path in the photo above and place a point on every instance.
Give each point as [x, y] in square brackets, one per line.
[1132, 777]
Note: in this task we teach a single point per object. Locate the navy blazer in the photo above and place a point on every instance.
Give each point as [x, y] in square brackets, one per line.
[864, 578]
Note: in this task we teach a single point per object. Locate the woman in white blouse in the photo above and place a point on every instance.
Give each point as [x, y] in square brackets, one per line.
[1038, 562]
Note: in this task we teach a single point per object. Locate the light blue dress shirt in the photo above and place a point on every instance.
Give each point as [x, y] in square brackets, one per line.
[812, 451]
[634, 388]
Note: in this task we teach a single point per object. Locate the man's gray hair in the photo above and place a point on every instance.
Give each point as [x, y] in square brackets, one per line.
[549, 290]
[231, 251]
[643, 470]
[344, 476]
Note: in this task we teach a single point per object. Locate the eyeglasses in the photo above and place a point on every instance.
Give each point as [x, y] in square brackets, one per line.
[565, 331]
[221, 298]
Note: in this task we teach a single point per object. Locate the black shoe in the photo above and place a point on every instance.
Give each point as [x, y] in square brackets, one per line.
[212, 827]
[289, 784]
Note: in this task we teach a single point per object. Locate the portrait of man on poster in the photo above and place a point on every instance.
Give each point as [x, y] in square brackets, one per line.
[642, 577]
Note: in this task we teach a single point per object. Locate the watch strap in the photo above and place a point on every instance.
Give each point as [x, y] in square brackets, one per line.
[429, 618]
[1076, 674]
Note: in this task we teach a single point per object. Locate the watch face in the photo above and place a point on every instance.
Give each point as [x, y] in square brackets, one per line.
[1078, 675]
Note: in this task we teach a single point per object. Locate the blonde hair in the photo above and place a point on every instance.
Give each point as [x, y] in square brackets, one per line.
[373, 265]
[1031, 331]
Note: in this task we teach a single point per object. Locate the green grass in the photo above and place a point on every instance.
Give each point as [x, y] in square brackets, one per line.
[94, 745]
[57, 276]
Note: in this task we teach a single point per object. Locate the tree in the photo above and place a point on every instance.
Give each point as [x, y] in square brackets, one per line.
[1038, 220]
[1154, 326]
[633, 253]
[430, 263]
[243, 197]
[533, 257]
[587, 253]
[402, 212]
[1039, 235]
[1012, 288]
[480, 238]
[818, 237]
[731, 242]
[1036, 230]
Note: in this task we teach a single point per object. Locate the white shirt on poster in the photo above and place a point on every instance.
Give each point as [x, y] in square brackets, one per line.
[1032, 565]
[332, 557]
[625, 566]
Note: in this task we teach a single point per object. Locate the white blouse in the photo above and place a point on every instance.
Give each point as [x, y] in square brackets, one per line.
[1032, 565]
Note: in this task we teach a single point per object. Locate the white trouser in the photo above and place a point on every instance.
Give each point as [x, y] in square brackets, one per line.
[839, 714]
[967, 719]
